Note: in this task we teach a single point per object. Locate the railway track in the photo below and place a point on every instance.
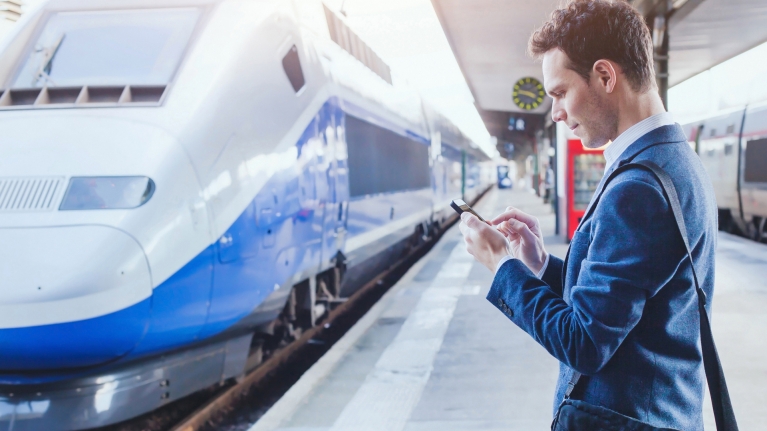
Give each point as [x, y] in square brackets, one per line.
[235, 405]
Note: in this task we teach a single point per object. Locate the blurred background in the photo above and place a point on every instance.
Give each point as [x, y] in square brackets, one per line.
[409, 37]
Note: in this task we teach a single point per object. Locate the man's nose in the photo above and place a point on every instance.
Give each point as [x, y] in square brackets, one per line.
[557, 113]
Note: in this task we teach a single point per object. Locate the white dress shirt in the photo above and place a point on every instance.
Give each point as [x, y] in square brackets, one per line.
[622, 142]
[613, 153]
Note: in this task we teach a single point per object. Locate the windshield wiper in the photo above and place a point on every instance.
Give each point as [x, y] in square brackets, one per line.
[47, 63]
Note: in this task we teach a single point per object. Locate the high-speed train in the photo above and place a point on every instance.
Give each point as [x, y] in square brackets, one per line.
[180, 179]
[733, 148]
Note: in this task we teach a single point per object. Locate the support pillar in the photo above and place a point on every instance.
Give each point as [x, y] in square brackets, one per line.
[660, 40]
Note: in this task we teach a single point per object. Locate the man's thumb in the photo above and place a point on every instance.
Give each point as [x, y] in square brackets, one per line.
[469, 219]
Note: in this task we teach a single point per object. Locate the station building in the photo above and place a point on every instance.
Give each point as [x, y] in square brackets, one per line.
[490, 42]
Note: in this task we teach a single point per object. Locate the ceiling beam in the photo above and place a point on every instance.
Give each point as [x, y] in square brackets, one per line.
[652, 8]
[681, 11]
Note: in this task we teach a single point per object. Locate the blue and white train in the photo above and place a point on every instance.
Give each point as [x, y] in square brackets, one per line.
[179, 175]
[733, 148]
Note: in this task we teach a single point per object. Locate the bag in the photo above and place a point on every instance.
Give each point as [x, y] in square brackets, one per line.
[578, 415]
[574, 415]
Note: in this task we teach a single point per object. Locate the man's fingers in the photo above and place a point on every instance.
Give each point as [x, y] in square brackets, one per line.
[462, 227]
[504, 229]
[468, 234]
[515, 214]
[523, 230]
[477, 225]
[465, 230]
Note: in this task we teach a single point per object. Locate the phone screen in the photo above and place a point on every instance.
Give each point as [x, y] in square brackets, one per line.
[461, 207]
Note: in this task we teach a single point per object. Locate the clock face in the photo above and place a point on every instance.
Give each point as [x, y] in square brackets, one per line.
[528, 93]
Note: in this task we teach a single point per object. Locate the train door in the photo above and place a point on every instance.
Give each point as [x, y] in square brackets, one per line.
[323, 165]
[440, 183]
[313, 187]
[453, 171]
[753, 180]
[439, 176]
[336, 174]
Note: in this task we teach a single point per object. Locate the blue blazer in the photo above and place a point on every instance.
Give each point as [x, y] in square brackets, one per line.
[623, 310]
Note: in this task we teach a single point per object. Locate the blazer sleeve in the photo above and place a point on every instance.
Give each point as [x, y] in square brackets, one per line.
[634, 251]
[553, 275]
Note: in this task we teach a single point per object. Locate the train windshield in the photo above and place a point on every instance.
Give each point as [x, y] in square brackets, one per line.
[136, 47]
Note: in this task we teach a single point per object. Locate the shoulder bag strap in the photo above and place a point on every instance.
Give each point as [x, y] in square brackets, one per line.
[717, 386]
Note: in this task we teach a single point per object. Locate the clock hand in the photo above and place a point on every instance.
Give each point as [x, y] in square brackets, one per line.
[527, 93]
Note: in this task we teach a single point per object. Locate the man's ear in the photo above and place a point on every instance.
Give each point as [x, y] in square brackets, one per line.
[606, 74]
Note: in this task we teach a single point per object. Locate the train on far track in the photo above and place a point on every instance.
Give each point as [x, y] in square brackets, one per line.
[733, 148]
[182, 181]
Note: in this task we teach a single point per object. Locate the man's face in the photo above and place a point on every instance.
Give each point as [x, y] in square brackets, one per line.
[583, 106]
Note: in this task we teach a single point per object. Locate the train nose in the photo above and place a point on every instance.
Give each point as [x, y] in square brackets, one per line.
[70, 296]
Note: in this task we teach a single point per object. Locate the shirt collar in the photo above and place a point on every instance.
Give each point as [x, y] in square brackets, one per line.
[614, 151]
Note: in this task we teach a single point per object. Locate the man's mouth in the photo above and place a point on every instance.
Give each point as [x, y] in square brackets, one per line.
[574, 127]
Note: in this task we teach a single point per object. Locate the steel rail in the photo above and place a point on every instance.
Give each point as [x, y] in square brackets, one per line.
[199, 418]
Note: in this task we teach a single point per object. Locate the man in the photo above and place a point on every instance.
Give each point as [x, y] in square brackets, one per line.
[622, 308]
[548, 183]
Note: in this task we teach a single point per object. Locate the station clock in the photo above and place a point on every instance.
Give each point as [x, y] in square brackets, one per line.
[528, 93]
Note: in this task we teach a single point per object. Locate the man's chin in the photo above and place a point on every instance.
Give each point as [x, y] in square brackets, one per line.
[593, 144]
[588, 141]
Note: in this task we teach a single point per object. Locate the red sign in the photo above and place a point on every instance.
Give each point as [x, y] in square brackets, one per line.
[585, 168]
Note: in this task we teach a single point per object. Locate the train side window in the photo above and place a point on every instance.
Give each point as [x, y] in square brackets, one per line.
[382, 161]
[756, 160]
[728, 148]
[730, 129]
[292, 65]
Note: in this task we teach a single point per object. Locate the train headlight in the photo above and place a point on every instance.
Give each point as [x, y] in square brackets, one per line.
[95, 193]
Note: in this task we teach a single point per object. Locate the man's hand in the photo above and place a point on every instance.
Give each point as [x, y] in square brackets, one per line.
[484, 242]
[524, 235]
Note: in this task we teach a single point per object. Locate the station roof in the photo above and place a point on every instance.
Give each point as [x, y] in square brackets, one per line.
[704, 33]
[489, 39]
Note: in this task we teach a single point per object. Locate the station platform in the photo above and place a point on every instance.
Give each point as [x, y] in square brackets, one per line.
[433, 354]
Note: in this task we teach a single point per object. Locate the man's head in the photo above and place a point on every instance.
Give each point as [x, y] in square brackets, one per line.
[597, 56]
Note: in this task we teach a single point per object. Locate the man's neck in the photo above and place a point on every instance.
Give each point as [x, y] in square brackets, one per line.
[636, 108]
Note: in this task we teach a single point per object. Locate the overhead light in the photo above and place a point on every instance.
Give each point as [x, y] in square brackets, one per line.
[10, 9]
[678, 3]
[516, 123]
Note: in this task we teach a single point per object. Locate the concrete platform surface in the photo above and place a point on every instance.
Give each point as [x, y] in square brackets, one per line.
[433, 354]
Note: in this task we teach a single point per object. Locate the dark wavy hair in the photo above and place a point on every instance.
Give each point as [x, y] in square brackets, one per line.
[590, 30]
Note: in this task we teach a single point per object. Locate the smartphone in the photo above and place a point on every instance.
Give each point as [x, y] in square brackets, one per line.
[460, 207]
